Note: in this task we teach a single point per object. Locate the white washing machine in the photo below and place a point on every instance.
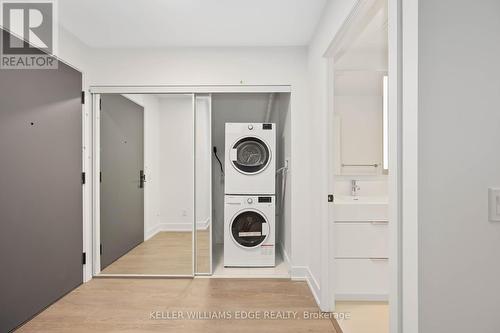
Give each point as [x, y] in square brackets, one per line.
[249, 231]
[250, 164]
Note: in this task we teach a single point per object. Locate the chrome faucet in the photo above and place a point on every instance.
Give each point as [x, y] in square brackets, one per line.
[354, 187]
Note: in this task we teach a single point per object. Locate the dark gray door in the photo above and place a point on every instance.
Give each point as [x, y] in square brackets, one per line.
[122, 162]
[40, 190]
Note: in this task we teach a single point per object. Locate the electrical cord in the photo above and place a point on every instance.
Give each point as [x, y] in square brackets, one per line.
[218, 160]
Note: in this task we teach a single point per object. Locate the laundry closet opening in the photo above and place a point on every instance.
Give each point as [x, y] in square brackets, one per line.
[251, 188]
[192, 184]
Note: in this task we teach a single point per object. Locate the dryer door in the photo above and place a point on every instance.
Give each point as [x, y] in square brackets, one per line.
[249, 228]
[250, 155]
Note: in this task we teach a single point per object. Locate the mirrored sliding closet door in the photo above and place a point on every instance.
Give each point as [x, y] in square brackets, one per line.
[146, 185]
[203, 185]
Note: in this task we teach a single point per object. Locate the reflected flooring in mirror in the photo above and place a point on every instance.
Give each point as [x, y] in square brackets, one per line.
[166, 253]
[203, 251]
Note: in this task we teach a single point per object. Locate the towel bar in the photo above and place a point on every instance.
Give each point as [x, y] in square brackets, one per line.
[360, 165]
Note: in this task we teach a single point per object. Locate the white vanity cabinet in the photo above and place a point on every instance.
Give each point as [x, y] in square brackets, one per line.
[361, 239]
[361, 279]
[361, 253]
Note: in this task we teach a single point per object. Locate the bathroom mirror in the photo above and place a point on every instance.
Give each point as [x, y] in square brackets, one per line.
[359, 122]
[360, 98]
[146, 185]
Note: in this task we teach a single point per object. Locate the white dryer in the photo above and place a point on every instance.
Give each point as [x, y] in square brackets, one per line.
[250, 163]
[249, 231]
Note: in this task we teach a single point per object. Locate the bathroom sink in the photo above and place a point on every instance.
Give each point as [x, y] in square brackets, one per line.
[360, 208]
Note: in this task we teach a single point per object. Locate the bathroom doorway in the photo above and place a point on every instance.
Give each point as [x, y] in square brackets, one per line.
[363, 170]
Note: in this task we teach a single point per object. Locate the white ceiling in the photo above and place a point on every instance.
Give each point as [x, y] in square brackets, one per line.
[174, 23]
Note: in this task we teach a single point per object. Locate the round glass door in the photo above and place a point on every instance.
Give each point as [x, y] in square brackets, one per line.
[252, 155]
[249, 229]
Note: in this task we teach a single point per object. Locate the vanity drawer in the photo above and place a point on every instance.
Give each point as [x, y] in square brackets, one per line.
[360, 212]
[361, 240]
[361, 279]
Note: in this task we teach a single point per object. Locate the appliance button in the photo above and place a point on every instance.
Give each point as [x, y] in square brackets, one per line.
[250, 200]
[250, 127]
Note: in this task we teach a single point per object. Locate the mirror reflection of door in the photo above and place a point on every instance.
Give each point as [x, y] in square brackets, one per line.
[122, 191]
[147, 184]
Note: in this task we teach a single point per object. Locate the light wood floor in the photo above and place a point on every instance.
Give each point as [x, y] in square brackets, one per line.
[365, 317]
[125, 305]
[166, 253]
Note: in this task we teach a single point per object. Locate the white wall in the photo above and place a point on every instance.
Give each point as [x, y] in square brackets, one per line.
[74, 52]
[459, 135]
[333, 17]
[176, 162]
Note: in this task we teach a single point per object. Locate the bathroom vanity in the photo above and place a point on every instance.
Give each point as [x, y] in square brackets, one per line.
[361, 253]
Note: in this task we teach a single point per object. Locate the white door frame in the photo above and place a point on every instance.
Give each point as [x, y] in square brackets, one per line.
[409, 273]
[188, 89]
[96, 201]
[402, 179]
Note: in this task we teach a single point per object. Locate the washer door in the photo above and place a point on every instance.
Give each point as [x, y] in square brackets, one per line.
[249, 228]
[250, 155]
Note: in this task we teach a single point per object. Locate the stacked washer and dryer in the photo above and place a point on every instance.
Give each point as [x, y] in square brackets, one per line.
[249, 202]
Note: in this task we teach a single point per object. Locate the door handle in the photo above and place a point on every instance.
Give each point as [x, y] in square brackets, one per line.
[142, 179]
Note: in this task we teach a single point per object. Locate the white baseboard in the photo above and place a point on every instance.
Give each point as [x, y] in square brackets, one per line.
[176, 227]
[151, 232]
[203, 225]
[303, 273]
